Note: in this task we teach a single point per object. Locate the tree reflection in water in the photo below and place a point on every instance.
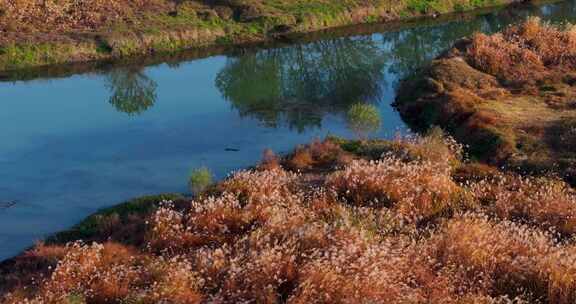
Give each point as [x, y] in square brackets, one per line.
[298, 85]
[409, 49]
[132, 92]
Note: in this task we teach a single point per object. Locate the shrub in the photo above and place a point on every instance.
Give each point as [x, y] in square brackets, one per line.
[270, 160]
[300, 160]
[318, 156]
[200, 179]
[433, 147]
[363, 119]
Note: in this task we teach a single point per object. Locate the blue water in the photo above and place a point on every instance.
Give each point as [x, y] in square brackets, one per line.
[72, 145]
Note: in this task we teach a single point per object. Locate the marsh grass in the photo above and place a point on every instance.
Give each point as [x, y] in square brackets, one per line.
[526, 53]
[411, 226]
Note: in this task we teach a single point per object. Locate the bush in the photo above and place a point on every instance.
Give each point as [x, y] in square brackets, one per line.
[363, 119]
[317, 156]
[270, 160]
[200, 179]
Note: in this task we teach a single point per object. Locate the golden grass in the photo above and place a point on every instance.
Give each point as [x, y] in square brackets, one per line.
[526, 53]
[509, 97]
[351, 234]
[417, 190]
[318, 155]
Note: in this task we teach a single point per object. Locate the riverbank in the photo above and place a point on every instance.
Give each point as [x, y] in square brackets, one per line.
[403, 221]
[509, 96]
[66, 32]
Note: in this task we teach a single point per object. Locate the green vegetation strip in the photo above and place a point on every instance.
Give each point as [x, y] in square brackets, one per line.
[191, 25]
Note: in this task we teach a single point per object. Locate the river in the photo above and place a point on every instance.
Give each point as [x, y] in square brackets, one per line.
[73, 144]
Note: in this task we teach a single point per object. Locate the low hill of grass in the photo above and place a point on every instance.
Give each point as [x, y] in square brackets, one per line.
[510, 97]
[336, 221]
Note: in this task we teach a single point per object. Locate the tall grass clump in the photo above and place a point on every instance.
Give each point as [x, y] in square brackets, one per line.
[325, 155]
[417, 190]
[525, 53]
[542, 202]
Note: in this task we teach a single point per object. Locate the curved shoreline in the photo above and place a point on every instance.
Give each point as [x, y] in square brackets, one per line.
[370, 200]
[522, 122]
[94, 48]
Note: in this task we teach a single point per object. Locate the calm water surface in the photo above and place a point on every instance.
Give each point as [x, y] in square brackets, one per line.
[72, 145]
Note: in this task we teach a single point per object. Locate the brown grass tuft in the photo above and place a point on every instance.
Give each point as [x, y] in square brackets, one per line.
[318, 156]
[547, 203]
[525, 53]
[417, 190]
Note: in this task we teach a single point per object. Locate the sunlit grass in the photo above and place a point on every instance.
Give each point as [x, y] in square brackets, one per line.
[409, 227]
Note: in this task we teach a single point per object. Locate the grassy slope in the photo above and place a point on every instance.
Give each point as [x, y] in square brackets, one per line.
[404, 221]
[509, 97]
[61, 32]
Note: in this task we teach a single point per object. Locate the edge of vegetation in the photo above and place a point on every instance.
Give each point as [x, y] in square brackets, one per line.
[190, 30]
[509, 97]
[334, 219]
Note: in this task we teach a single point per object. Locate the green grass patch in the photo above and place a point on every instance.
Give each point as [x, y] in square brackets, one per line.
[152, 31]
[92, 226]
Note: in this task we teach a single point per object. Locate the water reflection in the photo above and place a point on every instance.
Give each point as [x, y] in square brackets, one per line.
[410, 49]
[132, 91]
[61, 159]
[298, 85]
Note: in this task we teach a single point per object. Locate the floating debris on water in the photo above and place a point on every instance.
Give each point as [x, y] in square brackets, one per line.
[7, 204]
